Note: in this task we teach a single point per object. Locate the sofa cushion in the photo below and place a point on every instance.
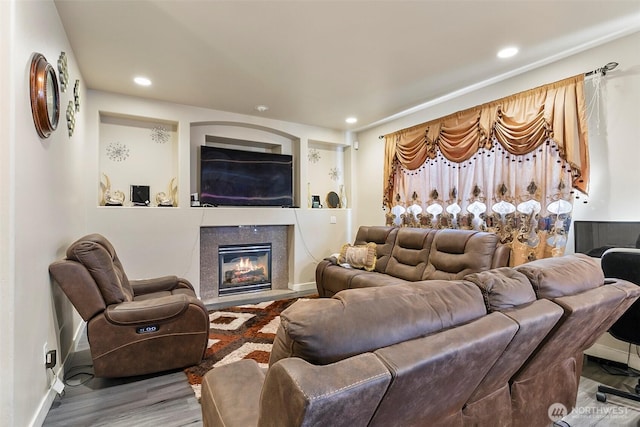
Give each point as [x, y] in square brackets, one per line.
[410, 253]
[358, 256]
[335, 278]
[456, 253]
[566, 275]
[374, 279]
[383, 237]
[503, 288]
[326, 330]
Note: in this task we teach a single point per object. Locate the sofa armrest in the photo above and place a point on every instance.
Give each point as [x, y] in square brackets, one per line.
[158, 284]
[320, 268]
[147, 311]
[342, 394]
[231, 394]
[501, 256]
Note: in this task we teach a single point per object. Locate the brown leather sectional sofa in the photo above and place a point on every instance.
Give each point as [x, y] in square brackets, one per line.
[496, 348]
[414, 254]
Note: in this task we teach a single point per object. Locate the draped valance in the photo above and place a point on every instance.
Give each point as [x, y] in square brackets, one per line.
[520, 123]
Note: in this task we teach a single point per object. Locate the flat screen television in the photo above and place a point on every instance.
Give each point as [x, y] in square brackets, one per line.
[595, 237]
[245, 178]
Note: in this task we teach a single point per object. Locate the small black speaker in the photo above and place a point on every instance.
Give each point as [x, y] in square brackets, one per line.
[140, 195]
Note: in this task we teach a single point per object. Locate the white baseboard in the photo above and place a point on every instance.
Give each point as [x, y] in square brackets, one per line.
[303, 287]
[47, 400]
[50, 395]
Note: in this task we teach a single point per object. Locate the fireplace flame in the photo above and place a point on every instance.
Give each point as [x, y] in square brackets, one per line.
[245, 265]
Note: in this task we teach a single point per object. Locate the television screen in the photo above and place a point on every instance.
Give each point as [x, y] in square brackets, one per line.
[245, 178]
[595, 237]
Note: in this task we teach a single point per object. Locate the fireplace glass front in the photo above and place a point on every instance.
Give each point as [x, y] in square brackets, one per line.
[244, 268]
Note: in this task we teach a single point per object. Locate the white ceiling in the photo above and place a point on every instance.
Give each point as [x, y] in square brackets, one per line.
[317, 62]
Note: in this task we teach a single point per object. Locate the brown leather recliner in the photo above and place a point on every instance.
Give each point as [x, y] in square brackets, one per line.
[134, 327]
[591, 305]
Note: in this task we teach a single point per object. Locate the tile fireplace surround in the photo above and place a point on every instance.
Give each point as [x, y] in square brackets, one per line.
[213, 237]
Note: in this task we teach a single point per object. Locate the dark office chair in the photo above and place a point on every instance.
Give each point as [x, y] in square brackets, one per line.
[623, 263]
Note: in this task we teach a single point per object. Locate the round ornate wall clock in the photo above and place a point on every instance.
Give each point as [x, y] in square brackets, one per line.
[45, 96]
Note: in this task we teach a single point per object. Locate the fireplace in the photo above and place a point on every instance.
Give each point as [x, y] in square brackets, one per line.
[214, 237]
[244, 268]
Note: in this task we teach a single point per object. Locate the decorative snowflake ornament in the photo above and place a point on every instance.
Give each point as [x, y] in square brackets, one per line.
[117, 152]
[160, 135]
[314, 155]
[334, 174]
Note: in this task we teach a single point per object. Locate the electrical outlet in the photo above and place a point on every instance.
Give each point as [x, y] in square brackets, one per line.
[50, 359]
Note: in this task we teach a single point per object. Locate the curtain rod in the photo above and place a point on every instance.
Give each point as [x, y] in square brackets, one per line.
[602, 70]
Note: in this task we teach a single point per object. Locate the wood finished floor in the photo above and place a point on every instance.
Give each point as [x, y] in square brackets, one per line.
[167, 400]
[615, 412]
[154, 400]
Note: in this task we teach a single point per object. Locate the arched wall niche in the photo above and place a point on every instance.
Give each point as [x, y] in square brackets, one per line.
[247, 136]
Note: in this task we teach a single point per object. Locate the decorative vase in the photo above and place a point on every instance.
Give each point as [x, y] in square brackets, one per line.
[343, 197]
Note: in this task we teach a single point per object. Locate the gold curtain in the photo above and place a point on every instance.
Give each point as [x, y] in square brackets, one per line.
[506, 167]
[520, 123]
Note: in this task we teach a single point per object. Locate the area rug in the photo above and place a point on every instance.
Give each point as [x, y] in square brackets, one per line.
[240, 332]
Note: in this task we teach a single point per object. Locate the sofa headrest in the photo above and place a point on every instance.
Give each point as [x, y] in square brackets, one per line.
[456, 253]
[326, 330]
[375, 234]
[563, 276]
[415, 238]
[503, 288]
[98, 256]
[383, 237]
[410, 253]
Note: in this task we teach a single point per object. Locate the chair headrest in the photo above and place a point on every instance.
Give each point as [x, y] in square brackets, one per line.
[98, 256]
[622, 263]
[563, 276]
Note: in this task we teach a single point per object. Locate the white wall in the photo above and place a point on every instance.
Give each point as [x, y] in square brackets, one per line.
[42, 211]
[7, 131]
[612, 175]
[157, 241]
[614, 145]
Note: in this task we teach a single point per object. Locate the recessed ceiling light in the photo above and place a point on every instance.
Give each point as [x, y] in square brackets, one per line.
[261, 108]
[507, 52]
[351, 120]
[142, 81]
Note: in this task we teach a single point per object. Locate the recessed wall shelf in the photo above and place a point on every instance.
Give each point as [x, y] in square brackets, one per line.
[138, 150]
